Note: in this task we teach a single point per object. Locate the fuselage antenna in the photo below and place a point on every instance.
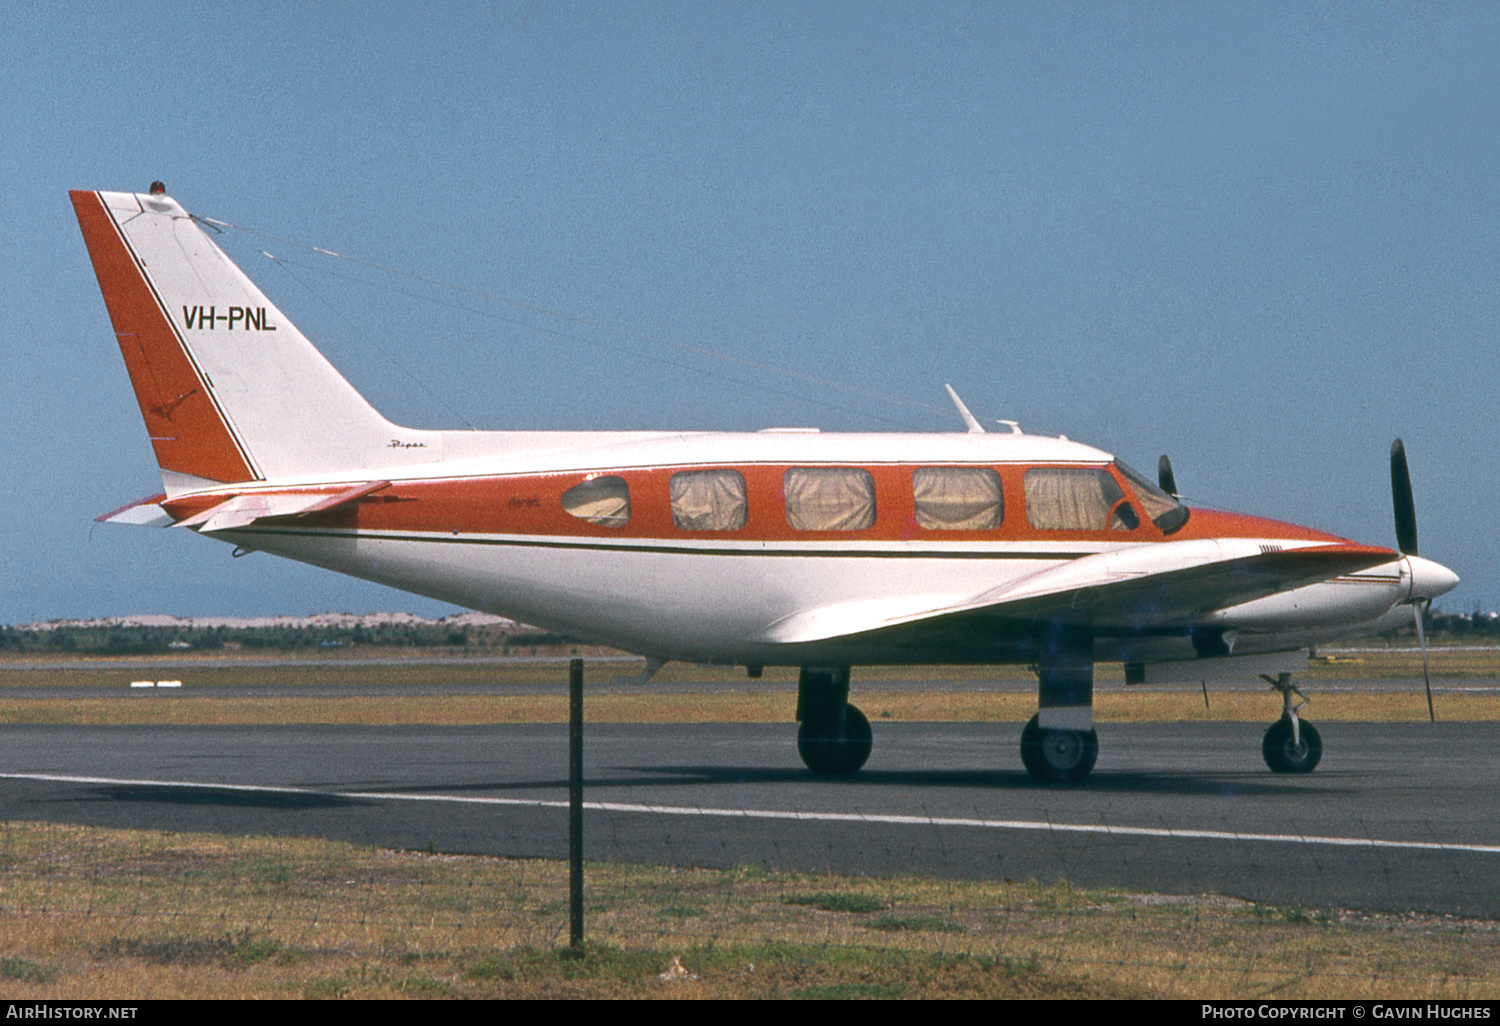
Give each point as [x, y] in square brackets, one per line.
[972, 422]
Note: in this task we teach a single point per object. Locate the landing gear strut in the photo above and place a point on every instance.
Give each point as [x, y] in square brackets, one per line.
[1291, 744]
[1058, 745]
[834, 738]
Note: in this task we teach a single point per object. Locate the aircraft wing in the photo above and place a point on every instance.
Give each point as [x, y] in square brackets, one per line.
[1141, 588]
[243, 508]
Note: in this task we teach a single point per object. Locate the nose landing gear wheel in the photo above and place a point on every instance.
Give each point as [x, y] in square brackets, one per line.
[1283, 752]
[1058, 756]
[833, 749]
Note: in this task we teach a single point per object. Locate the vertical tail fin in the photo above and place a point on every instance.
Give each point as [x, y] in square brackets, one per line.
[230, 390]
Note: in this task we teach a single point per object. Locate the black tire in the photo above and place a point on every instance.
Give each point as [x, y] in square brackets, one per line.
[833, 752]
[1281, 752]
[1058, 756]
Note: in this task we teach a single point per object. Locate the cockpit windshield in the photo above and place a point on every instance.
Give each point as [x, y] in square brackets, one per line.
[1164, 510]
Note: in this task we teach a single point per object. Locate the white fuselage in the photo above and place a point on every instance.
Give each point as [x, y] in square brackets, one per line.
[719, 598]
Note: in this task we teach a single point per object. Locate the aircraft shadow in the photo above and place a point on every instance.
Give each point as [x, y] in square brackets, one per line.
[167, 795]
[1013, 780]
[1154, 783]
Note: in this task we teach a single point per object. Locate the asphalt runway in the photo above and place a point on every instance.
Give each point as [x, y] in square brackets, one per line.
[1399, 817]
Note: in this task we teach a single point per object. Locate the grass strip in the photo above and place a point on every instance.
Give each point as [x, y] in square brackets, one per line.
[666, 707]
[390, 692]
[87, 912]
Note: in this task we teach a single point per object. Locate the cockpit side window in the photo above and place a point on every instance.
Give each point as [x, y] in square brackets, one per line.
[1163, 510]
[1075, 499]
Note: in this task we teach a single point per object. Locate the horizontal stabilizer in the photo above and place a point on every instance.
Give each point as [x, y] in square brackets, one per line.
[244, 509]
[145, 512]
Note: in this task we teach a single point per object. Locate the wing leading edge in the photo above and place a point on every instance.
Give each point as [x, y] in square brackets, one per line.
[1140, 589]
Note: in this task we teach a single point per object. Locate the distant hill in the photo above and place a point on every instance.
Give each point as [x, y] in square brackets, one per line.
[155, 634]
[347, 621]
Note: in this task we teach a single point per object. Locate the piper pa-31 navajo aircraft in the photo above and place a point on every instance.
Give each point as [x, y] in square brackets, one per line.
[778, 547]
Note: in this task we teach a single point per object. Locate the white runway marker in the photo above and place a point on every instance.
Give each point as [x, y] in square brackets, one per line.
[806, 817]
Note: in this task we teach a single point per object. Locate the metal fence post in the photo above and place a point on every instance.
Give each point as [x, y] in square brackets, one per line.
[575, 801]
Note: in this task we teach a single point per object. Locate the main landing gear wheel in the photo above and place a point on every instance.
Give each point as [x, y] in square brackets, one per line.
[1058, 756]
[833, 749]
[1285, 753]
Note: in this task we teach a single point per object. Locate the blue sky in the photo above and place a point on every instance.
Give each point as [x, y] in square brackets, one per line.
[1260, 237]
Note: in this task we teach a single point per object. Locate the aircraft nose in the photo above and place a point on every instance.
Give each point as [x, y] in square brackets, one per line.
[1429, 579]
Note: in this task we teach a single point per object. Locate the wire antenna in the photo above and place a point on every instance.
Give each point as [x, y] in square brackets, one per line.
[704, 351]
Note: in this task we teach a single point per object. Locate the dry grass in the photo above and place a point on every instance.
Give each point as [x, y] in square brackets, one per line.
[666, 705]
[957, 694]
[695, 707]
[1453, 661]
[94, 913]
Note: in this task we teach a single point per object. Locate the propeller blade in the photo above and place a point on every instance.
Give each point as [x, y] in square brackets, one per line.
[1406, 510]
[1419, 609]
[1164, 476]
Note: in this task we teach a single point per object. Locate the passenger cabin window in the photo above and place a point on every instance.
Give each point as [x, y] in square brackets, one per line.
[708, 500]
[1077, 499]
[829, 498]
[600, 500]
[957, 498]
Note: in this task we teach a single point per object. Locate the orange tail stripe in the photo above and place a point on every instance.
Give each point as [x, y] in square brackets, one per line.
[186, 428]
